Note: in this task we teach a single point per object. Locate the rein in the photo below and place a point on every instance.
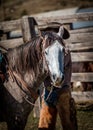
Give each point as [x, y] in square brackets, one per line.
[16, 77]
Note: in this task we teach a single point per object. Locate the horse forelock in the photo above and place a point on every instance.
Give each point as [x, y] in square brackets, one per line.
[52, 36]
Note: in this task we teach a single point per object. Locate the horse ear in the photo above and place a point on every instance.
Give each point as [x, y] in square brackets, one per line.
[63, 33]
[43, 37]
[46, 37]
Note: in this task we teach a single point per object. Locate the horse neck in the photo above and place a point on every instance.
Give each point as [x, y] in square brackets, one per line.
[35, 78]
[36, 73]
[33, 75]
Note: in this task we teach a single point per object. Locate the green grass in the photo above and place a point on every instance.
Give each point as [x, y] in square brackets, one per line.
[85, 122]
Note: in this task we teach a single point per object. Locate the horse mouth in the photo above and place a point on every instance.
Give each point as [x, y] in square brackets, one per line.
[58, 84]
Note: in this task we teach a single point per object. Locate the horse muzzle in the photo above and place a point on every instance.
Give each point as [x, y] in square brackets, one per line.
[58, 80]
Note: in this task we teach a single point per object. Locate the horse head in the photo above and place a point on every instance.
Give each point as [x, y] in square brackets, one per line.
[53, 53]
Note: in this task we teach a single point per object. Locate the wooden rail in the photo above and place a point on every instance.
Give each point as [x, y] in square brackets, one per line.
[80, 42]
[45, 21]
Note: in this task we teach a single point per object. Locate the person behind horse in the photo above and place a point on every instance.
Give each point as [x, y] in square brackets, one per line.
[59, 100]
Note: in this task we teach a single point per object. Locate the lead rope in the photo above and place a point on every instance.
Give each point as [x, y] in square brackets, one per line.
[51, 90]
[33, 104]
[13, 77]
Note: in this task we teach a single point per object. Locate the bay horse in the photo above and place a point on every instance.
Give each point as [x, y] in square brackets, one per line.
[27, 66]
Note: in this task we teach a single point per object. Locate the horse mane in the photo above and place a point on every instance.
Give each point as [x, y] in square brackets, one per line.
[25, 57]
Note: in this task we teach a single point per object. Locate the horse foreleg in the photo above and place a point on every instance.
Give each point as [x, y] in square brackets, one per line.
[67, 111]
[16, 123]
[47, 117]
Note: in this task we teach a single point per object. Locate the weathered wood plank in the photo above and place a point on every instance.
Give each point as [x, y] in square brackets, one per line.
[55, 13]
[80, 37]
[82, 56]
[10, 25]
[83, 77]
[43, 21]
[11, 43]
[81, 97]
[82, 30]
[28, 28]
[25, 29]
[80, 46]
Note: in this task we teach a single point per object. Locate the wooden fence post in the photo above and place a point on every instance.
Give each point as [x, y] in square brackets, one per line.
[28, 28]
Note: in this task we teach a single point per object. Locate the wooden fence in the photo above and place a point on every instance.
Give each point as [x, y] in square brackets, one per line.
[80, 42]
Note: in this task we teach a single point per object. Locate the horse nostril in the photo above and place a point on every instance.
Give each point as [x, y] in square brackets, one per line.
[58, 78]
[54, 76]
[62, 77]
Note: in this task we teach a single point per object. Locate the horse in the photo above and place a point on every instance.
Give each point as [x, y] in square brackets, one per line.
[59, 99]
[27, 66]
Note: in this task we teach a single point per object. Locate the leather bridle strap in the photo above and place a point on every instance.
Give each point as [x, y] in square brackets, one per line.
[24, 84]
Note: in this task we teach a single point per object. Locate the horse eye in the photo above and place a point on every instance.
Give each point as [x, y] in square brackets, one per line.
[46, 52]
